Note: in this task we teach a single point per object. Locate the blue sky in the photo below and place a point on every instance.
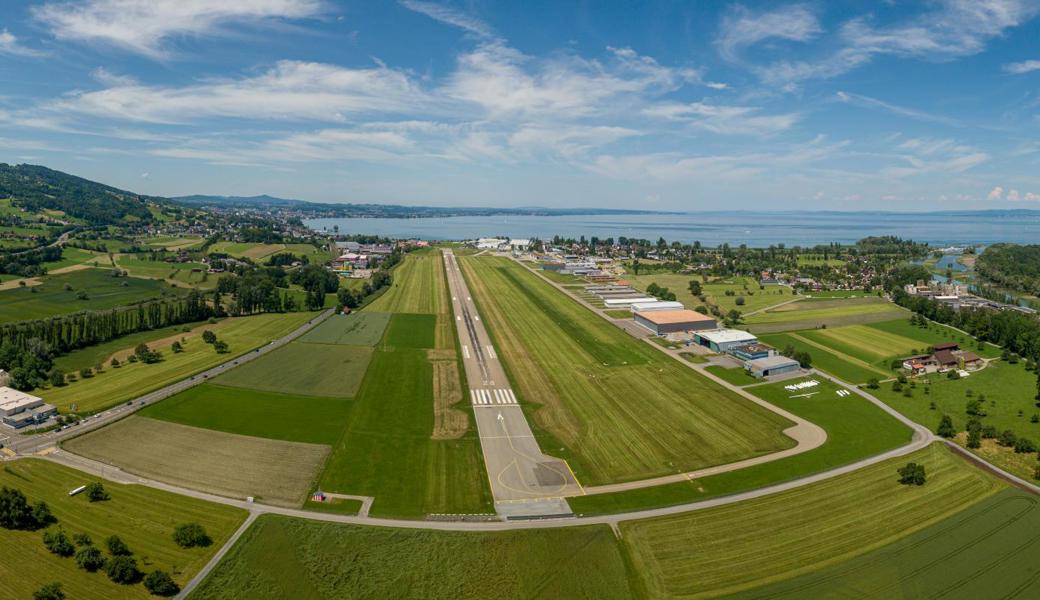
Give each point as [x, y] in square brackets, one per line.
[671, 105]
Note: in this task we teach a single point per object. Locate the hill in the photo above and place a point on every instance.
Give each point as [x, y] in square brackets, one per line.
[1012, 266]
[328, 209]
[36, 188]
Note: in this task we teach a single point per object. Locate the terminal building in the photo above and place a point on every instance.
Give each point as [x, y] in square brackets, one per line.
[18, 409]
[724, 340]
[662, 322]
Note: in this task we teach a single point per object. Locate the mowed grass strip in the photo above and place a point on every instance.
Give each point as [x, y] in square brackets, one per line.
[411, 331]
[417, 285]
[227, 464]
[856, 429]
[824, 359]
[732, 548]
[986, 551]
[623, 410]
[866, 343]
[103, 291]
[330, 370]
[113, 386]
[292, 418]
[281, 557]
[935, 333]
[363, 328]
[143, 517]
[387, 448]
[812, 312]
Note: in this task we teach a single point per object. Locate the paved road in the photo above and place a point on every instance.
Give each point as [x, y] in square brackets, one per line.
[32, 443]
[524, 481]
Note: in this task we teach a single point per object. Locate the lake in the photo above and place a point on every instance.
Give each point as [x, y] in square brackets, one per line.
[756, 229]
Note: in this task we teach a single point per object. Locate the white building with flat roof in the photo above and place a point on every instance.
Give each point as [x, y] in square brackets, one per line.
[623, 302]
[659, 305]
[19, 409]
[723, 340]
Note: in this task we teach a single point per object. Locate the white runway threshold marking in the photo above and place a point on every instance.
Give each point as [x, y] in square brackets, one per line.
[465, 352]
[491, 352]
[492, 397]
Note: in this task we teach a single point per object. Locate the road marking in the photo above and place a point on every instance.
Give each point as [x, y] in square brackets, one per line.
[491, 352]
[458, 317]
[477, 317]
[465, 352]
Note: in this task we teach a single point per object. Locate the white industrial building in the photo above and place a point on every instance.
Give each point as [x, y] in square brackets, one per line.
[18, 409]
[723, 340]
[520, 245]
[623, 302]
[490, 243]
[659, 305]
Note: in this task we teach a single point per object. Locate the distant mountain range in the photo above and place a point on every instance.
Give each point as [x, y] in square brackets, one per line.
[391, 210]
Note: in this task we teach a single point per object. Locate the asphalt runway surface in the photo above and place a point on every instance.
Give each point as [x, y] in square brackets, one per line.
[524, 481]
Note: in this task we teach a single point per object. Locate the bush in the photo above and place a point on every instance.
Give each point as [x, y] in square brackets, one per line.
[912, 474]
[115, 363]
[17, 513]
[51, 591]
[209, 337]
[220, 346]
[58, 543]
[946, 428]
[82, 539]
[1007, 438]
[89, 558]
[159, 583]
[1023, 445]
[123, 569]
[189, 535]
[57, 378]
[117, 547]
[96, 492]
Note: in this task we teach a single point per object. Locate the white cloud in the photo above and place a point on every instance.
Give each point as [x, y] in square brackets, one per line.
[1026, 66]
[955, 28]
[1012, 196]
[874, 103]
[9, 44]
[996, 193]
[144, 26]
[740, 120]
[504, 82]
[744, 28]
[290, 90]
[450, 16]
[924, 156]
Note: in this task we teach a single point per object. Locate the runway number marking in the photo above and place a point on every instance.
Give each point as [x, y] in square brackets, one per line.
[493, 397]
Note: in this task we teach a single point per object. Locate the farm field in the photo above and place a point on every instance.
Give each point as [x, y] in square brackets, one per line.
[51, 298]
[155, 338]
[829, 312]
[387, 449]
[278, 416]
[856, 429]
[169, 242]
[330, 370]
[71, 257]
[357, 329]
[135, 379]
[143, 517]
[981, 552]
[227, 464]
[853, 371]
[715, 291]
[801, 530]
[405, 442]
[620, 410]
[191, 274]
[281, 557]
[866, 343]
[418, 284]
[255, 251]
[935, 333]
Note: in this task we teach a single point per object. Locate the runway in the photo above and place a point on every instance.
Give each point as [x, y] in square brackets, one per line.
[524, 481]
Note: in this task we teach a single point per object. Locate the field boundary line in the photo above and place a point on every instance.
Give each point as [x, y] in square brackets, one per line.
[217, 557]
